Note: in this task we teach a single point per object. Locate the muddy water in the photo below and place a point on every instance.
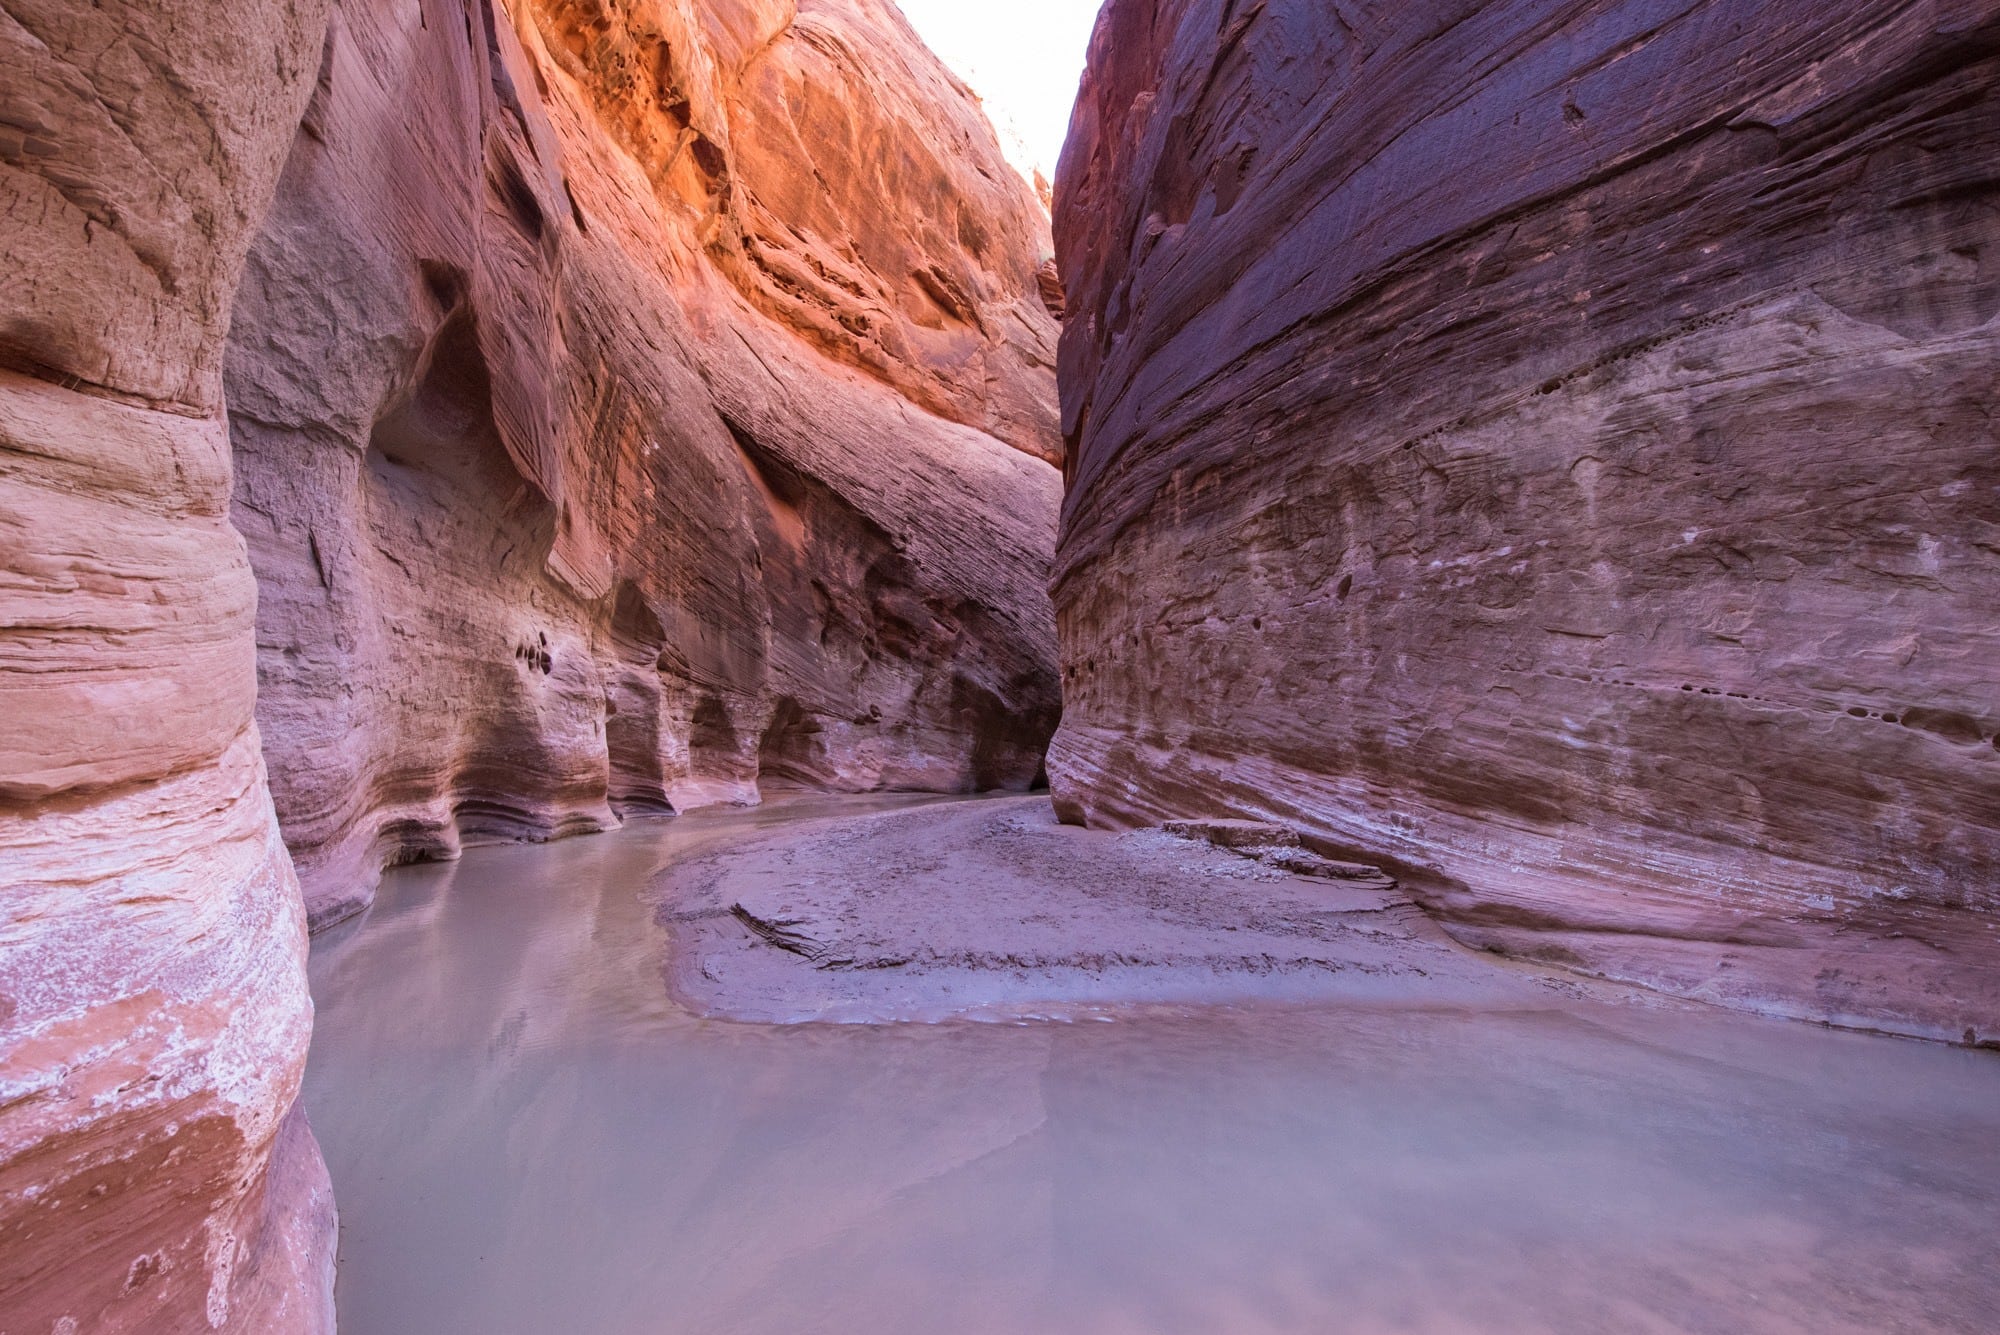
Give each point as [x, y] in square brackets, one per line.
[526, 1137]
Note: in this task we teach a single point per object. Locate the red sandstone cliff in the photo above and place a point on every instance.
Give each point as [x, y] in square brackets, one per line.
[627, 407]
[1549, 448]
[632, 405]
[153, 1007]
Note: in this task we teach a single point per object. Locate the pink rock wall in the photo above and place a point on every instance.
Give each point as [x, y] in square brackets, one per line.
[633, 406]
[595, 453]
[1549, 447]
[155, 1174]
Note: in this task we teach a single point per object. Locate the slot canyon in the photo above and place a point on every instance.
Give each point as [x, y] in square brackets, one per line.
[1377, 710]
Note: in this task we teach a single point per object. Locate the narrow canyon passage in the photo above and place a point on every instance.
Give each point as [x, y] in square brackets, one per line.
[527, 1135]
[1324, 676]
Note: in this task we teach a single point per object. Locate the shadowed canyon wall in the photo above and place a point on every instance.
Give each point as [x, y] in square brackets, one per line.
[633, 405]
[154, 1175]
[627, 407]
[1549, 449]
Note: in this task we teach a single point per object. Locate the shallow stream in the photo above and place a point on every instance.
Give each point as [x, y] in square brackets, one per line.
[528, 1138]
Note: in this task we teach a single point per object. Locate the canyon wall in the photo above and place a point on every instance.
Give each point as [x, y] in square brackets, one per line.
[627, 408]
[1549, 449]
[154, 1174]
[635, 406]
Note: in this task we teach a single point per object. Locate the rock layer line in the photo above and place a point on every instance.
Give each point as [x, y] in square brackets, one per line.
[1546, 450]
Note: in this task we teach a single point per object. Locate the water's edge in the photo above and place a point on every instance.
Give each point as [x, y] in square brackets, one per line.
[528, 1135]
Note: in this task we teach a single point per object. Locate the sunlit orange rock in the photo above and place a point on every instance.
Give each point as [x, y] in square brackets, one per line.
[1548, 449]
[633, 407]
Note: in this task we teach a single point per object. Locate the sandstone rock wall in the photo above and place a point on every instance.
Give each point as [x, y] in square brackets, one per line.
[1550, 448]
[633, 404]
[154, 1173]
[627, 406]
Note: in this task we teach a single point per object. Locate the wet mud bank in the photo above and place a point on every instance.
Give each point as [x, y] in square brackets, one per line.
[993, 910]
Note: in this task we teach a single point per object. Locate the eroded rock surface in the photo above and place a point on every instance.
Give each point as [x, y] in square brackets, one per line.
[1548, 449]
[626, 407]
[633, 406]
[994, 909]
[154, 1172]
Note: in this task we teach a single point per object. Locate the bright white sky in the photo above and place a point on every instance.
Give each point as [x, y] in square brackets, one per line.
[1023, 58]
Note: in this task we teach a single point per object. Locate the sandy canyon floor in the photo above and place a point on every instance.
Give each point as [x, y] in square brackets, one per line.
[1167, 1088]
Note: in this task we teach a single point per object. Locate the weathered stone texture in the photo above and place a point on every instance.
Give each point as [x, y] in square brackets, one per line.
[155, 1174]
[1548, 449]
[631, 405]
[624, 407]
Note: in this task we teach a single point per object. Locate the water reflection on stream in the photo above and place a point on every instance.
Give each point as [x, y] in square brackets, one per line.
[527, 1137]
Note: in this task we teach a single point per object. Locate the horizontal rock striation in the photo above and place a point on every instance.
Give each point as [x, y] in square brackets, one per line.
[1548, 450]
[155, 1172]
[633, 406]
